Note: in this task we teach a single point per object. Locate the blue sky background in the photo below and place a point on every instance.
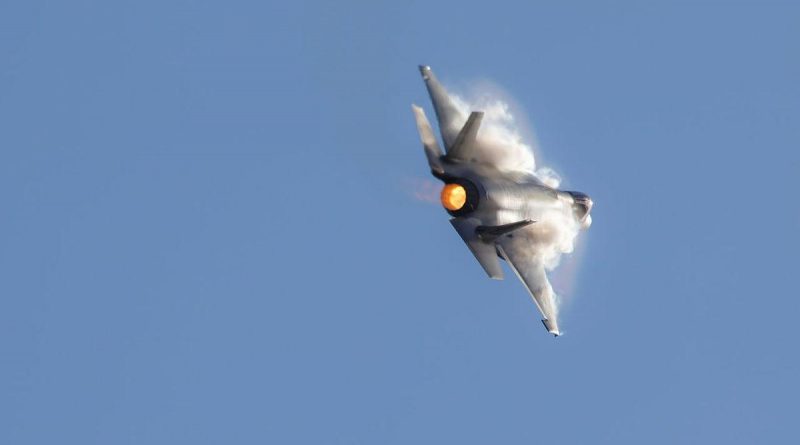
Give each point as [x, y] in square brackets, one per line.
[208, 232]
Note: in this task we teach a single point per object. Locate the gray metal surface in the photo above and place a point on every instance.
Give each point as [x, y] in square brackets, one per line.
[503, 208]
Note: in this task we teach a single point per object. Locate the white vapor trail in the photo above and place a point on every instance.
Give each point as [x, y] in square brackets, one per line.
[502, 134]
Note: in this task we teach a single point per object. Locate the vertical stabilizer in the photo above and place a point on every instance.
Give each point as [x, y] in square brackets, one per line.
[432, 150]
[465, 146]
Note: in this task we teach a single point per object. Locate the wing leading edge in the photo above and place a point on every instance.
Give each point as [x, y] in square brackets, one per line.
[530, 270]
[487, 242]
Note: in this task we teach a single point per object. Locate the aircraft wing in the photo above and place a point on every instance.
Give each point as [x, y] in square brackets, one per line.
[530, 270]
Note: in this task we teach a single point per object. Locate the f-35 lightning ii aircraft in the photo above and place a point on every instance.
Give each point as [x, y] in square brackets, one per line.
[497, 213]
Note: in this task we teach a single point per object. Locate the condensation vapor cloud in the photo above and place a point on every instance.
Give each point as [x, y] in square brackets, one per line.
[501, 133]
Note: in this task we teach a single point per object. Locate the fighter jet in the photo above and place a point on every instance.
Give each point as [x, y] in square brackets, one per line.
[498, 213]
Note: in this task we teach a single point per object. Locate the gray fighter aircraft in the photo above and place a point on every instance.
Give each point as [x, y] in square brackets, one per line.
[496, 212]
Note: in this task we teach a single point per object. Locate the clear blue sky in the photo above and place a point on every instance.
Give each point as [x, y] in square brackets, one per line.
[207, 234]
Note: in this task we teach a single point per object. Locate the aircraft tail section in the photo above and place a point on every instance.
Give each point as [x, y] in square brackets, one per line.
[431, 146]
[464, 146]
[446, 112]
[459, 137]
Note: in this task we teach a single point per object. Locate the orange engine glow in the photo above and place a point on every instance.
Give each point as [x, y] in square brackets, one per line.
[453, 197]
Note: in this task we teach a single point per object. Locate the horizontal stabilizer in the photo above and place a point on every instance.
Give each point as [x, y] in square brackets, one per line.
[551, 327]
[485, 252]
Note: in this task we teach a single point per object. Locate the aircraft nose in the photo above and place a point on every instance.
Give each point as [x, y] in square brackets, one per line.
[582, 204]
[425, 70]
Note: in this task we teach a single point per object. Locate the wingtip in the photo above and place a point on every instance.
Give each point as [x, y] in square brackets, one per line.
[425, 70]
[551, 327]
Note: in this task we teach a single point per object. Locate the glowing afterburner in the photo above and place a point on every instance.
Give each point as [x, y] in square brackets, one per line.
[453, 197]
